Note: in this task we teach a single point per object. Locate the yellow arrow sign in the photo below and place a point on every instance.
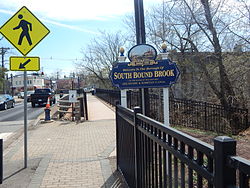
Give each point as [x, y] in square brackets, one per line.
[24, 30]
[24, 63]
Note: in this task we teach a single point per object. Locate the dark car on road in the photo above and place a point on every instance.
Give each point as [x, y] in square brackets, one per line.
[6, 101]
[40, 96]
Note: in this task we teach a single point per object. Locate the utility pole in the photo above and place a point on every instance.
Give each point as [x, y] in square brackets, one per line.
[51, 87]
[57, 75]
[12, 90]
[78, 80]
[3, 51]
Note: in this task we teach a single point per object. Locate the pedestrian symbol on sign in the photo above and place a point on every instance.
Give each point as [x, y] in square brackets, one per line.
[24, 30]
[26, 27]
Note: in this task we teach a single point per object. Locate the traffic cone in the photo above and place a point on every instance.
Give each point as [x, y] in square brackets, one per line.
[47, 110]
[48, 103]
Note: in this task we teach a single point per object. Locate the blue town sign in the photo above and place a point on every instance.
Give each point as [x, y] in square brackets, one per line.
[144, 74]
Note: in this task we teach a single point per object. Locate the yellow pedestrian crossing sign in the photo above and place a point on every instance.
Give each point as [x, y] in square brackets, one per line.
[24, 30]
[25, 63]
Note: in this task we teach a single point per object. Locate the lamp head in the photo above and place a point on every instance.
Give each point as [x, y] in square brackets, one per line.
[121, 51]
[164, 47]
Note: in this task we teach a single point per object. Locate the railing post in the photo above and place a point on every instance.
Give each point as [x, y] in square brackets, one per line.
[81, 107]
[223, 147]
[117, 135]
[136, 110]
[85, 106]
[205, 116]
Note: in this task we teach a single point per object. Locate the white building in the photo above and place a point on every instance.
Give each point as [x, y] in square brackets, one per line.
[33, 81]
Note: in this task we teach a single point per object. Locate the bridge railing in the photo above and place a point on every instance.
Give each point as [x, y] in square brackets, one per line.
[110, 96]
[187, 113]
[152, 155]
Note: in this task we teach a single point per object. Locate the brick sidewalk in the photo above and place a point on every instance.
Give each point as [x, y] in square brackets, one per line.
[66, 154]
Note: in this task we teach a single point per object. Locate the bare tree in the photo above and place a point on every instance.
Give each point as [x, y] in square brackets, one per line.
[100, 55]
[196, 26]
[204, 28]
[240, 24]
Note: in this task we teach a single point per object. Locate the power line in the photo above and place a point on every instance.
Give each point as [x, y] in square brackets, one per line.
[62, 59]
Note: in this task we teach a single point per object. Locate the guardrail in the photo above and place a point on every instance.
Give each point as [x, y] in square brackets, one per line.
[152, 155]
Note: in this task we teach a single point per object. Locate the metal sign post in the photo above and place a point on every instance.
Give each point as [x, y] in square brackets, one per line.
[25, 120]
[165, 92]
[72, 99]
[166, 103]
[24, 42]
[166, 106]
[124, 98]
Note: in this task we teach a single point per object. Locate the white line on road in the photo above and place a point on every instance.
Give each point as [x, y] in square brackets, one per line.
[4, 136]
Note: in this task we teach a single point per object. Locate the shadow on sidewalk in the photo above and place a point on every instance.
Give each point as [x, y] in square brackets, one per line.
[18, 171]
[15, 175]
[114, 181]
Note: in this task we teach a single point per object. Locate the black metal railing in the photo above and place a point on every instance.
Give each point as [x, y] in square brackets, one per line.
[110, 96]
[242, 168]
[208, 116]
[125, 144]
[187, 113]
[152, 155]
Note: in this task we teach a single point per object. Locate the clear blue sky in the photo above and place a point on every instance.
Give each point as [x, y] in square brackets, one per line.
[72, 25]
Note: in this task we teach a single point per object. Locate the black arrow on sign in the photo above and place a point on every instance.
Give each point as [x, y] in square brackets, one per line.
[22, 65]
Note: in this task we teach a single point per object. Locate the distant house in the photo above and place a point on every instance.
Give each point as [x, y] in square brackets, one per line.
[67, 83]
[33, 81]
[49, 83]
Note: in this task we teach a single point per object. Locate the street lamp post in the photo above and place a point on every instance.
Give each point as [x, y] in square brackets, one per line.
[141, 39]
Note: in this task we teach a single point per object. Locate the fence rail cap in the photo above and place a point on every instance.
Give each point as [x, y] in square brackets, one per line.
[224, 139]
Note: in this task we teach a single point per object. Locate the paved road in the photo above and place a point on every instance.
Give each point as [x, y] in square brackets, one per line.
[12, 119]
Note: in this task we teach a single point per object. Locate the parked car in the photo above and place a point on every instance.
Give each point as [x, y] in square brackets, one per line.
[28, 95]
[6, 101]
[87, 90]
[20, 95]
